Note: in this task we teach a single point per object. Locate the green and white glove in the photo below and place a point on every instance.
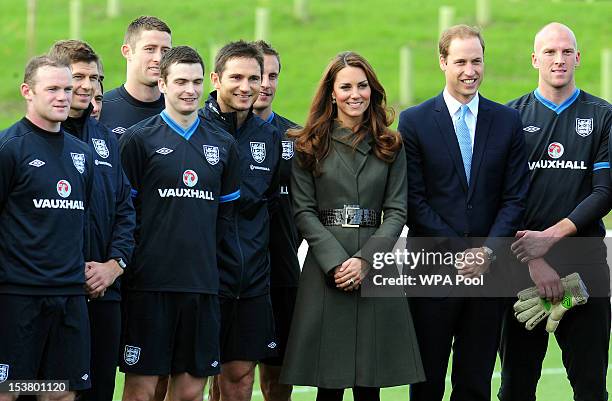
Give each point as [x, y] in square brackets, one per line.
[531, 309]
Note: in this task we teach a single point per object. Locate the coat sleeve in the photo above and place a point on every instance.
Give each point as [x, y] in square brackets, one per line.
[326, 249]
[393, 208]
[122, 243]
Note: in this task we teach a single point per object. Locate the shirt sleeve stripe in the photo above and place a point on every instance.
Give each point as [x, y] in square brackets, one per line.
[229, 197]
[134, 193]
[599, 166]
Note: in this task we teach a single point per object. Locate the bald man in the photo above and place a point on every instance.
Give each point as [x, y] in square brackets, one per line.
[566, 131]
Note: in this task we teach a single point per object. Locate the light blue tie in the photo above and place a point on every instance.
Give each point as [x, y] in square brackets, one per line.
[465, 142]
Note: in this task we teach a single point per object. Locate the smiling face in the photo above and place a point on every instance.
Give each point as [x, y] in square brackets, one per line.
[351, 93]
[463, 68]
[556, 57]
[84, 81]
[144, 55]
[269, 82]
[239, 85]
[183, 88]
[48, 98]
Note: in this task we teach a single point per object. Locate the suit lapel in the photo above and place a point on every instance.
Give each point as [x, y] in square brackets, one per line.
[447, 132]
[483, 127]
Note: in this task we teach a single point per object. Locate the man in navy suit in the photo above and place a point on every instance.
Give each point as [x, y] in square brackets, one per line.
[467, 179]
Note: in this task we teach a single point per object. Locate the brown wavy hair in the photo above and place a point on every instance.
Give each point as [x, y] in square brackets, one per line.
[313, 141]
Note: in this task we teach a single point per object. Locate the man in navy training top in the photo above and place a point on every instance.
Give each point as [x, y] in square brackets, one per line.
[284, 238]
[146, 40]
[111, 218]
[247, 321]
[46, 177]
[185, 176]
[567, 134]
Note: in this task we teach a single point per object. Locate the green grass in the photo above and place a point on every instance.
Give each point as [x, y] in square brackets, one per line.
[375, 28]
[553, 384]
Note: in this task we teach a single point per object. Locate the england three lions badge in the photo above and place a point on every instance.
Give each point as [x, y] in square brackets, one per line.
[584, 126]
[258, 151]
[287, 150]
[212, 154]
[100, 147]
[78, 159]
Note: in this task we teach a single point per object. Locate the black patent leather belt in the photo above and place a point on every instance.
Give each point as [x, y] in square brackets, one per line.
[351, 216]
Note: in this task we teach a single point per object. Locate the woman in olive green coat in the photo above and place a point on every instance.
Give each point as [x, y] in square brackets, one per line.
[346, 155]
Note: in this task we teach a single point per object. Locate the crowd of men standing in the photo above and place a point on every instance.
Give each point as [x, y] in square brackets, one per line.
[154, 234]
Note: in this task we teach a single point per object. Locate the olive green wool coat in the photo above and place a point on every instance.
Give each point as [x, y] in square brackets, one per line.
[340, 339]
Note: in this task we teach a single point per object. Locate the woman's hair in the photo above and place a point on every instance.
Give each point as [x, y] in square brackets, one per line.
[313, 141]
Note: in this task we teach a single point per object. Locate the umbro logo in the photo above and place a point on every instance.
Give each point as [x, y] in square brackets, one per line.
[37, 163]
[214, 364]
[531, 129]
[119, 130]
[164, 151]
[85, 376]
[272, 345]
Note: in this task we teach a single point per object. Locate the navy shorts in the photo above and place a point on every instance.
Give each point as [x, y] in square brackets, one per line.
[247, 329]
[170, 333]
[45, 338]
[283, 304]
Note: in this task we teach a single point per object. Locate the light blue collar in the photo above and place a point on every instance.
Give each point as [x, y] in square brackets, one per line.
[554, 107]
[185, 133]
[270, 118]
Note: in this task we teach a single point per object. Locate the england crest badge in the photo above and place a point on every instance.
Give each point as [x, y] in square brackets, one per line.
[4, 370]
[78, 159]
[258, 151]
[584, 126]
[131, 355]
[100, 147]
[287, 150]
[212, 154]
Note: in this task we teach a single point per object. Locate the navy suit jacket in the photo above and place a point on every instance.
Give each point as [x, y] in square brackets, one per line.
[440, 202]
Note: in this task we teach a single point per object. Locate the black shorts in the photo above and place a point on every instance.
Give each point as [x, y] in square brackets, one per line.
[45, 338]
[283, 304]
[170, 333]
[247, 329]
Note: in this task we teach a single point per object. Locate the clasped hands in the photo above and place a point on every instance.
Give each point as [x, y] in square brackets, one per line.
[99, 276]
[349, 275]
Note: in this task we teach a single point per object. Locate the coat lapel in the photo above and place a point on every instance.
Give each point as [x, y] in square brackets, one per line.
[447, 132]
[354, 160]
[483, 127]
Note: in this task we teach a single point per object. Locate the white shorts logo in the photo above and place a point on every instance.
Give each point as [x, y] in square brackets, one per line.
[190, 178]
[78, 159]
[63, 188]
[272, 345]
[555, 150]
[214, 364]
[100, 147]
[4, 369]
[131, 355]
[584, 126]
[212, 154]
[287, 150]
[258, 151]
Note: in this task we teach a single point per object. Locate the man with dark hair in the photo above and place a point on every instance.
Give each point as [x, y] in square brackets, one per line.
[467, 171]
[146, 40]
[247, 322]
[185, 176]
[46, 179]
[567, 133]
[284, 238]
[111, 218]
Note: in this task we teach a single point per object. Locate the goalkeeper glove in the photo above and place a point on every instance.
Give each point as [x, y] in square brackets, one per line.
[531, 309]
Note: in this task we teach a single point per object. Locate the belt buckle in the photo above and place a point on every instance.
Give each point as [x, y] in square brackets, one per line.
[345, 212]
